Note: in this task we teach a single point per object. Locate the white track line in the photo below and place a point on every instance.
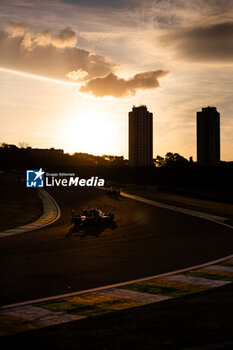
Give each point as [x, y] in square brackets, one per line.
[213, 218]
[66, 295]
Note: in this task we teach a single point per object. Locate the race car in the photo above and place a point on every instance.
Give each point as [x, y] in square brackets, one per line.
[112, 191]
[96, 216]
[90, 217]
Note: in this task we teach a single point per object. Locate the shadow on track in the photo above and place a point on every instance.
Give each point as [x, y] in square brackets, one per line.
[90, 230]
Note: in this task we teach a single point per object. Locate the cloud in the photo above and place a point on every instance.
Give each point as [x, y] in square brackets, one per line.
[16, 29]
[45, 54]
[66, 38]
[77, 75]
[99, 3]
[57, 56]
[111, 85]
[206, 43]
[167, 20]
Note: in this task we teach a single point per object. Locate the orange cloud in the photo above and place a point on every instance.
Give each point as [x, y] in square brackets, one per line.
[16, 29]
[66, 38]
[111, 85]
[78, 75]
[48, 55]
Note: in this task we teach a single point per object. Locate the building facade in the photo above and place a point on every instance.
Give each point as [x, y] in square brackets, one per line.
[140, 137]
[208, 136]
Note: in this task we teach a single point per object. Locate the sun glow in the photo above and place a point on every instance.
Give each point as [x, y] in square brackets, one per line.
[90, 131]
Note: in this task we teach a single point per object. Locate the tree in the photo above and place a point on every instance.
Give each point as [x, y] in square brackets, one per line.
[171, 159]
[23, 145]
[175, 159]
[159, 162]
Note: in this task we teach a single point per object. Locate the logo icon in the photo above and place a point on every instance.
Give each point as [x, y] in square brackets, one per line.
[35, 178]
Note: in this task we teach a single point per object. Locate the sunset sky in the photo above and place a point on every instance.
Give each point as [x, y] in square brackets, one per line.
[71, 70]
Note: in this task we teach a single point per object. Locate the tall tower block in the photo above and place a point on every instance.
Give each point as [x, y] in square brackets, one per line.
[140, 137]
[208, 136]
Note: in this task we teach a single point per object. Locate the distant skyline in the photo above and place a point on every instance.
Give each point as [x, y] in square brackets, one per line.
[71, 71]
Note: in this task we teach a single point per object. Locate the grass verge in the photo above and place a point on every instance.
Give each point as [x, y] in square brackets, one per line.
[205, 206]
[18, 205]
[193, 320]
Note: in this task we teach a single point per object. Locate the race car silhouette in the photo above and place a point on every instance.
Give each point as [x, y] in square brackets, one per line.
[90, 217]
[112, 191]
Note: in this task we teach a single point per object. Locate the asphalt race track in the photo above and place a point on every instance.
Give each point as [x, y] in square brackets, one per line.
[147, 241]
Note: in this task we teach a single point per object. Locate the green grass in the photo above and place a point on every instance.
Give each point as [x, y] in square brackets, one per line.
[74, 308]
[18, 205]
[194, 320]
[212, 276]
[168, 291]
[228, 263]
[90, 304]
